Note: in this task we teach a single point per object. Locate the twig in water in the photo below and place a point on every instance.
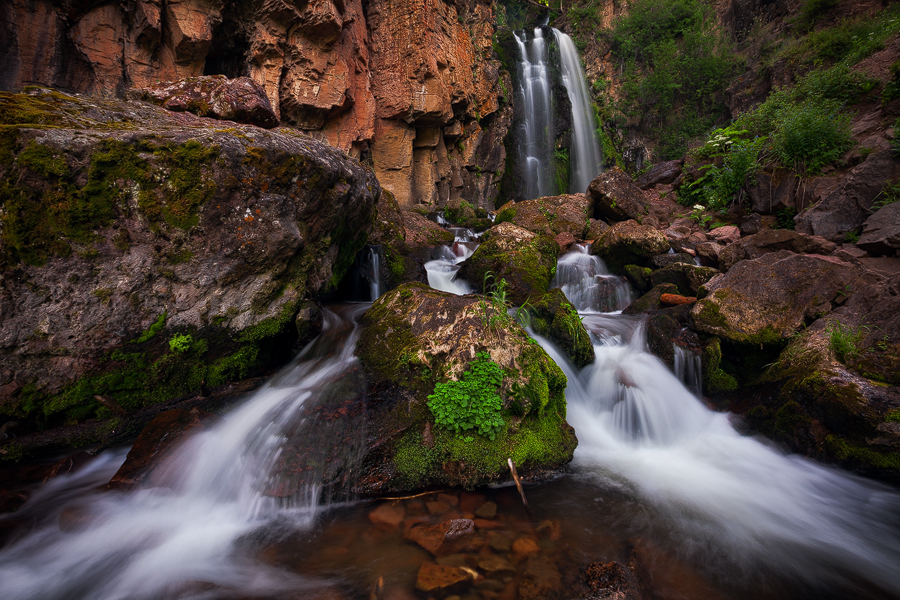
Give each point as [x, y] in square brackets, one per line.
[512, 469]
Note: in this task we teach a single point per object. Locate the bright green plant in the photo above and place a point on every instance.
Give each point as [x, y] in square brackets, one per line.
[179, 343]
[785, 218]
[473, 402]
[811, 135]
[844, 340]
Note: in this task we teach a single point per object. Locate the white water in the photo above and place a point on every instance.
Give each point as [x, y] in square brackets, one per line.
[585, 160]
[533, 96]
[587, 283]
[729, 499]
[166, 541]
[373, 276]
[443, 270]
[688, 368]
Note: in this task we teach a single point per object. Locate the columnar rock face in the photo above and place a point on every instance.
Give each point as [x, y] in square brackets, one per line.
[411, 87]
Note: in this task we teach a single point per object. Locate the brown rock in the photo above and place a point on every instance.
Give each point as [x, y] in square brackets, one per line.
[434, 578]
[541, 579]
[437, 507]
[388, 515]
[628, 243]
[525, 547]
[551, 215]
[488, 510]
[470, 501]
[241, 100]
[881, 231]
[724, 235]
[443, 538]
[772, 240]
[616, 197]
[708, 253]
[613, 581]
[773, 192]
[676, 300]
[595, 229]
[422, 234]
[496, 566]
[660, 173]
[565, 241]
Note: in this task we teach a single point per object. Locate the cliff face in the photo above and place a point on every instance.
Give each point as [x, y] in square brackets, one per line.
[410, 86]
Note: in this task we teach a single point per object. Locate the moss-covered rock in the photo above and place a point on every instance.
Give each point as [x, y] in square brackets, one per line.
[616, 197]
[628, 243]
[638, 277]
[551, 215]
[553, 316]
[400, 264]
[715, 379]
[127, 226]
[416, 338]
[526, 261]
[650, 300]
[765, 301]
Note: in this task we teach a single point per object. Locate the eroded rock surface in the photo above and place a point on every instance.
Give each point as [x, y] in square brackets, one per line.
[616, 197]
[629, 242]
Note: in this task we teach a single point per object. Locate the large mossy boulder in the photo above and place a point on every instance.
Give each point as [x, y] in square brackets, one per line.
[616, 197]
[417, 339]
[148, 254]
[553, 316]
[767, 300]
[526, 260]
[628, 243]
[873, 314]
[551, 215]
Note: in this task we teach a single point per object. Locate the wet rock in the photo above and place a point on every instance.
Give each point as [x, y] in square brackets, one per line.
[616, 197]
[659, 174]
[595, 229]
[158, 441]
[611, 581]
[708, 253]
[524, 259]
[638, 277]
[565, 241]
[444, 538]
[846, 206]
[881, 231]
[488, 510]
[470, 501]
[401, 263]
[437, 507]
[434, 578]
[676, 300]
[767, 299]
[724, 235]
[651, 300]
[423, 234]
[500, 542]
[496, 566]
[551, 215]
[628, 242]
[552, 315]
[773, 240]
[661, 261]
[416, 337]
[688, 277]
[540, 579]
[241, 100]
[525, 547]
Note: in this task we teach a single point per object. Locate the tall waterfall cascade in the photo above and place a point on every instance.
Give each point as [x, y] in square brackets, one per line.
[535, 99]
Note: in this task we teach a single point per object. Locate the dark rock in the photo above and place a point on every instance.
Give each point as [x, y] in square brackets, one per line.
[627, 243]
[616, 198]
[660, 173]
[639, 277]
[434, 578]
[664, 260]
[611, 581]
[708, 253]
[754, 223]
[651, 300]
[768, 299]
[241, 100]
[881, 231]
[553, 316]
[524, 259]
[688, 277]
[847, 206]
[773, 240]
[773, 192]
[401, 263]
[595, 229]
[541, 579]
[875, 312]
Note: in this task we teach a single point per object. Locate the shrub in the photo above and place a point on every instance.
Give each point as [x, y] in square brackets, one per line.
[473, 402]
[844, 340]
[811, 135]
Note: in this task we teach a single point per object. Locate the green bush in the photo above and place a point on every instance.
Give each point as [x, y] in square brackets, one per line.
[180, 343]
[849, 41]
[473, 402]
[811, 135]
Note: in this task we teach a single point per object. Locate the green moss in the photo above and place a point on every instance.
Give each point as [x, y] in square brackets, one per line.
[715, 379]
[271, 326]
[152, 330]
[187, 189]
[43, 161]
[844, 451]
[893, 416]
[508, 214]
[552, 315]
[234, 367]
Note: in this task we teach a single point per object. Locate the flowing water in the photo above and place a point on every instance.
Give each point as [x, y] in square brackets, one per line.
[585, 159]
[533, 96]
[688, 369]
[587, 283]
[442, 271]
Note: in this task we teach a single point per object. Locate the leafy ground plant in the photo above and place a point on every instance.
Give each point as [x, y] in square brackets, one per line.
[473, 402]
[845, 340]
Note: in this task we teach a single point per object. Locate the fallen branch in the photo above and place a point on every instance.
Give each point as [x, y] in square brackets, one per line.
[409, 497]
[512, 469]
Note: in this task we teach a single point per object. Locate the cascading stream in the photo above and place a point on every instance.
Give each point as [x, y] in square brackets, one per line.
[221, 485]
[533, 95]
[731, 500]
[587, 283]
[442, 271]
[585, 160]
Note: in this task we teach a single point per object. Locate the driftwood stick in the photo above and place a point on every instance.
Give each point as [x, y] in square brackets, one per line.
[512, 469]
[408, 497]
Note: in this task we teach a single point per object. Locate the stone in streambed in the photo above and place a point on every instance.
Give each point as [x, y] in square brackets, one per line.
[434, 578]
[488, 510]
[611, 581]
[444, 538]
[525, 260]
[388, 515]
[652, 300]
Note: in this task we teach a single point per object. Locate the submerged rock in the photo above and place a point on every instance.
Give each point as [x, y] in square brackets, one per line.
[416, 337]
[527, 261]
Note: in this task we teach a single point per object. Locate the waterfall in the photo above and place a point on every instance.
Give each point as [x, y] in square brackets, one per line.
[688, 369]
[729, 500]
[533, 95]
[373, 274]
[442, 270]
[584, 158]
[587, 283]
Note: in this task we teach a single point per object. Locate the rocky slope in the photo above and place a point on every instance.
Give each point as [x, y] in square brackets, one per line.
[412, 88]
[148, 254]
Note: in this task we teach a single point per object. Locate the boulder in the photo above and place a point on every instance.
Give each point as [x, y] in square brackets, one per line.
[415, 338]
[551, 215]
[661, 261]
[628, 242]
[652, 300]
[881, 231]
[400, 262]
[178, 255]
[766, 300]
[595, 229]
[723, 235]
[773, 240]
[241, 100]
[773, 192]
[846, 206]
[525, 260]
[754, 223]
[422, 234]
[616, 198]
[874, 311]
[661, 173]
[553, 316]
[638, 277]
[688, 277]
[708, 253]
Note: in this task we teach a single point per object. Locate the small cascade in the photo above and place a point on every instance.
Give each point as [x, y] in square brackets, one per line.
[587, 283]
[362, 283]
[688, 369]
[730, 501]
[442, 270]
[533, 96]
[585, 160]
[373, 273]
